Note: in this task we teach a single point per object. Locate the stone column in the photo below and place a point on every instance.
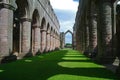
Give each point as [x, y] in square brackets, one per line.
[57, 43]
[25, 37]
[82, 33]
[86, 32]
[48, 41]
[6, 29]
[74, 38]
[78, 39]
[54, 42]
[118, 37]
[43, 40]
[36, 47]
[86, 40]
[105, 54]
[51, 42]
[93, 30]
[62, 38]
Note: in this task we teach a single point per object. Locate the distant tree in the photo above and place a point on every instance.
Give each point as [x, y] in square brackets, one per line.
[68, 45]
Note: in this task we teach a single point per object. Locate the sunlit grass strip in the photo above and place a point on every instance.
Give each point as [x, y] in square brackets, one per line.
[79, 65]
[1, 71]
[74, 77]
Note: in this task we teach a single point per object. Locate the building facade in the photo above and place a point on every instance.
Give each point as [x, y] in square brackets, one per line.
[27, 27]
[96, 30]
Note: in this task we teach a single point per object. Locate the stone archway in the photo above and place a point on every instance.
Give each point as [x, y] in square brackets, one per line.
[35, 33]
[43, 35]
[68, 31]
[20, 21]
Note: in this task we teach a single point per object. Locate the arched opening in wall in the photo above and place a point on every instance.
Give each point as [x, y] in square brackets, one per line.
[21, 11]
[23, 8]
[68, 39]
[16, 34]
[43, 24]
[35, 32]
[43, 35]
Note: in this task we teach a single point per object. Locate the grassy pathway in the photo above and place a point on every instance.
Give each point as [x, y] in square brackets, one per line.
[58, 65]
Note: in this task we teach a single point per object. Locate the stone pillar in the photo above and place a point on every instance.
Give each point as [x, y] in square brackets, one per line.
[105, 54]
[82, 33]
[62, 39]
[86, 32]
[6, 29]
[74, 38]
[43, 40]
[57, 43]
[51, 42]
[25, 37]
[118, 36]
[86, 40]
[48, 41]
[78, 39]
[93, 30]
[36, 40]
[54, 42]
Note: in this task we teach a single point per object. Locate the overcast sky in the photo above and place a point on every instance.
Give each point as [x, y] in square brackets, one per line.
[66, 12]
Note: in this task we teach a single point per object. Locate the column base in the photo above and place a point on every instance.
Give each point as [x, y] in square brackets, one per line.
[7, 59]
[22, 55]
[103, 60]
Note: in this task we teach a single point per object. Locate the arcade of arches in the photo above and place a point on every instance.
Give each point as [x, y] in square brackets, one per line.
[97, 30]
[27, 27]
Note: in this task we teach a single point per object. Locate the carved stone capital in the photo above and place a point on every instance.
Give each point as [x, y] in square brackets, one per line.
[43, 30]
[7, 6]
[25, 19]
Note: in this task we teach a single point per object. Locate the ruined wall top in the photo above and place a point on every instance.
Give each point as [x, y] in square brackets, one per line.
[49, 9]
[44, 9]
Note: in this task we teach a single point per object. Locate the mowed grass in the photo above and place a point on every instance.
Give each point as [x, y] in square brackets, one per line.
[59, 65]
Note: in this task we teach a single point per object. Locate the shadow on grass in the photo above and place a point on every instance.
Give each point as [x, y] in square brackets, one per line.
[45, 66]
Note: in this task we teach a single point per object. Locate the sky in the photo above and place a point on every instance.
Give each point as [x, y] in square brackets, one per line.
[66, 12]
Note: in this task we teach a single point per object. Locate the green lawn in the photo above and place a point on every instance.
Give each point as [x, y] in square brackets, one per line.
[59, 65]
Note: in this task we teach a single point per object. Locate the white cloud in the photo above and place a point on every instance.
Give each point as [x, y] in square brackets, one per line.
[65, 11]
[64, 4]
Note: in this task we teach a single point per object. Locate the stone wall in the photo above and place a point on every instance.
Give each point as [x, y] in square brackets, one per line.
[97, 31]
[27, 27]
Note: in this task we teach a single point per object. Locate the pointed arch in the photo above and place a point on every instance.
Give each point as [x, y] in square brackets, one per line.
[23, 9]
[43, 24]
[68, 31]
[48, 27]
[35, 18]
[21, 13]
[35, 32]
